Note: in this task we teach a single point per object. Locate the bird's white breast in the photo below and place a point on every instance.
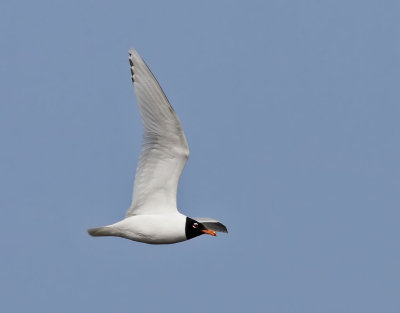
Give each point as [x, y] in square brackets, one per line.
[154, 229]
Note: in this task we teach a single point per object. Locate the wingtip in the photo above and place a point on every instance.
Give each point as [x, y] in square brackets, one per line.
[223, 228]
[132, 52]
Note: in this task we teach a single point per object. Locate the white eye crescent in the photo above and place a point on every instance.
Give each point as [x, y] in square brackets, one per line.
[195, 225]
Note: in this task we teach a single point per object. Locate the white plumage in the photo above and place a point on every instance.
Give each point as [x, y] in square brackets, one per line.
[153, 216]
[164, 148]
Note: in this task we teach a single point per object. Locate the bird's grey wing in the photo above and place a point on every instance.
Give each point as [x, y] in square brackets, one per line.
[164, 148]
[212, 224]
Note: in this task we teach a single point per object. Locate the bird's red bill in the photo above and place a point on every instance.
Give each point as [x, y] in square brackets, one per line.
[209, 232]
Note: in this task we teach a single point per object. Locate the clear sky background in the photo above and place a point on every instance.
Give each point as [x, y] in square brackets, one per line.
[291, 110]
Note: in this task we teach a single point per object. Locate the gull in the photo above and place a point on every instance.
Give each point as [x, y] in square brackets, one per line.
[153, 216]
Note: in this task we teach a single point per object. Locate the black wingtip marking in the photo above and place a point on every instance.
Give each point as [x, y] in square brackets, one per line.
[131, 64]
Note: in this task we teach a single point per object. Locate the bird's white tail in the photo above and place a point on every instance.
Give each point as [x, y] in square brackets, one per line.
[100, 231]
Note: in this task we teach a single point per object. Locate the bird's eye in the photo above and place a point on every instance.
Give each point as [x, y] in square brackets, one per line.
[195, 225]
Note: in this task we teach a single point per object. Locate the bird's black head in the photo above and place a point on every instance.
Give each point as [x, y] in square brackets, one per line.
[194, 229]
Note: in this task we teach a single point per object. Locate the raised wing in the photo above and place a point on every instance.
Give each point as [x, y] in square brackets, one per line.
[164, 148]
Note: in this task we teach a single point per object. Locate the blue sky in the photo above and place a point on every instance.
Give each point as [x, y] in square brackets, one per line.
[291, 110]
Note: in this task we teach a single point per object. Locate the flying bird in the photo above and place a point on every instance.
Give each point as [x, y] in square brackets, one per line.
[153, 216]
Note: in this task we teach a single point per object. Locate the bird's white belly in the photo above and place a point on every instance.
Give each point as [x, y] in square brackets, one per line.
[154, 229]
